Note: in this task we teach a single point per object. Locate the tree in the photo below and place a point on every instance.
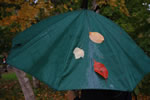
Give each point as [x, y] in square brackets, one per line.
[36, 83]
[25, 84]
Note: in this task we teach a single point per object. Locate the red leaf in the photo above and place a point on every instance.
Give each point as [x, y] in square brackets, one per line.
[100, 69]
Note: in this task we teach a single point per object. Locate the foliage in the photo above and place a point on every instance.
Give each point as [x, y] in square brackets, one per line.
[119, 4]
[139, 21]
[143, 87]
[136, 24]
[16, 16]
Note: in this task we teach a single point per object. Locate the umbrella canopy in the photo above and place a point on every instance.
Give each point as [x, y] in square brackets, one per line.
[80, 50]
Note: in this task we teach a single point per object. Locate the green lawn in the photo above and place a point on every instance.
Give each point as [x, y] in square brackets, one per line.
[9, 76]
[12, 76]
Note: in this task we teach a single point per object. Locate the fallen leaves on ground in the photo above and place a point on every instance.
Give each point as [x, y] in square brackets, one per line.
[11, 90]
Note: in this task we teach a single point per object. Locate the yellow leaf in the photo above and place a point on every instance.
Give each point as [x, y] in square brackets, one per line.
[113, 3]
[76, 1]
[13, 18]
[65, 6]
[71, 9]
[9, 9]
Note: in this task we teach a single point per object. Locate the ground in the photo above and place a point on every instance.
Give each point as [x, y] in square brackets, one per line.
[11, 90]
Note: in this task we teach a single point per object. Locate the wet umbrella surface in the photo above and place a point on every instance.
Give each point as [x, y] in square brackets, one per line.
[80, 50]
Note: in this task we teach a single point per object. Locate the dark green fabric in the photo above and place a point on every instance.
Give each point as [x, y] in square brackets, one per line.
[45, 51]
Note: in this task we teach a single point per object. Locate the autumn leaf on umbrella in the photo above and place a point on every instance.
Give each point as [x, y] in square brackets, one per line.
[100, 69]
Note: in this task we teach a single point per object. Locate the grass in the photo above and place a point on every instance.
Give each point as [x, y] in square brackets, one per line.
[9, 76]
[12, 76]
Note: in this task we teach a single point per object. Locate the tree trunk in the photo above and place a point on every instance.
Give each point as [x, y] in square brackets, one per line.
[94, 4]
[25, 84]
[36, 83]
[70, 95]
[73, 95]
[95, 7]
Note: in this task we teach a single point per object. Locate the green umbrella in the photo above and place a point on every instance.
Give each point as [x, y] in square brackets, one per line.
[80, 50]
